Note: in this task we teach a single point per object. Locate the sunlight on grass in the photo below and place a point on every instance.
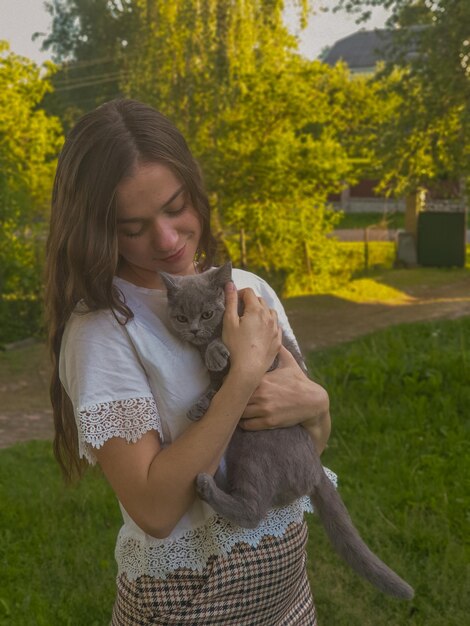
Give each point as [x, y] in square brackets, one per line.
[370, 290]
[402, 286]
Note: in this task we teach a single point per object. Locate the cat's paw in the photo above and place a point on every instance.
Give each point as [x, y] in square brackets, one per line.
[200, 408]
[204, 485]
[217, 356]
[197, 411]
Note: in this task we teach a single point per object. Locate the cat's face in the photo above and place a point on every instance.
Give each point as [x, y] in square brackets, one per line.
[196, 304]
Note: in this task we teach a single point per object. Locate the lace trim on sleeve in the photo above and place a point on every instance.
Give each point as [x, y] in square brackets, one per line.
[129, 419]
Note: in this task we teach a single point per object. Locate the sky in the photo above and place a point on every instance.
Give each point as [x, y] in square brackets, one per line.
[19, 19]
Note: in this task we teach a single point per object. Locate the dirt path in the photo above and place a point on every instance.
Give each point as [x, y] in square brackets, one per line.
[318, 322]
[323, 321]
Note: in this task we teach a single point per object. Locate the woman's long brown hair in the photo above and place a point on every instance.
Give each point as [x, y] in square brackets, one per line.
[82, 254]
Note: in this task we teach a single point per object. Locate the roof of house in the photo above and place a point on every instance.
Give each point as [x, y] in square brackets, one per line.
[361, 50]
[364, 49]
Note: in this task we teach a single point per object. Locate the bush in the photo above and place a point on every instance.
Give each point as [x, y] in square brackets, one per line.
[20, 318]
[377, 255]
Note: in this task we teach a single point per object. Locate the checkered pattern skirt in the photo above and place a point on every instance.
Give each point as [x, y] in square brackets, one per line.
[262, 586]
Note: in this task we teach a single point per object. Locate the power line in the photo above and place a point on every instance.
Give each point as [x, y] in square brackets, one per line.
[91, 83]
[69, 82]
[73, 64]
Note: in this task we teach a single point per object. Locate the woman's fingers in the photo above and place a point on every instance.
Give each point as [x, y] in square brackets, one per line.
[257, 423]
[254, 338]
[231, 302]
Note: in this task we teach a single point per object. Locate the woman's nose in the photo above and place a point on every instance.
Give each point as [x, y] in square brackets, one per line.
[165, 236]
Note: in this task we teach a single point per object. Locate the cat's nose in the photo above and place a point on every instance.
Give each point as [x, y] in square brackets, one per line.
[194, 331]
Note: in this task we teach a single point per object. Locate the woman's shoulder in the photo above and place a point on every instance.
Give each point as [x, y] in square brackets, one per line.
[243, 278]
[100, 323]
[262, 288]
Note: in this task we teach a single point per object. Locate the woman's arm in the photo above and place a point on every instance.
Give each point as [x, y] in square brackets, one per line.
[286, 397]
[157, 486]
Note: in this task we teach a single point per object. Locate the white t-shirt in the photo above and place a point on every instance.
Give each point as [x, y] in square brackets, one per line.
[125, 380]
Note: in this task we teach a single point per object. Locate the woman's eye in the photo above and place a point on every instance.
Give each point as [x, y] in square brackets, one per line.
[134, 234]
[176, 211]
[182, 318]
[207, 315]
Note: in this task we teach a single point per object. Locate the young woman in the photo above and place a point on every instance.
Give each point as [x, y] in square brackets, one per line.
[128, 201]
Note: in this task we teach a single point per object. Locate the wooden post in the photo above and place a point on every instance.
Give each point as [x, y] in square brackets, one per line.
[366, 250]
[345, 198]
[414, 204]
[242, 248]
[308, 265]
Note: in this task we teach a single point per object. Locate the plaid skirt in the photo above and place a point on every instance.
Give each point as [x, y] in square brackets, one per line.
[262, 586]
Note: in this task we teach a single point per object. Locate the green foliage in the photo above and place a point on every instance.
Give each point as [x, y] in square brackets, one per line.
[29, 142]
[20, 318]
[431, 150]
[361, 256]
[426, 134]
[275, 134]
[256, 116]
[88, 40]
[400, 426]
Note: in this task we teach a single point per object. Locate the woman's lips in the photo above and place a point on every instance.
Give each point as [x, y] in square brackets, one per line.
[174, 257]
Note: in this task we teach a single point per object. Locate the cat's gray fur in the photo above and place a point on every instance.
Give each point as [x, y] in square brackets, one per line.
[265, 468]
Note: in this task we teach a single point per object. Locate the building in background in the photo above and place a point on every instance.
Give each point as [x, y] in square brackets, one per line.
[361, 52]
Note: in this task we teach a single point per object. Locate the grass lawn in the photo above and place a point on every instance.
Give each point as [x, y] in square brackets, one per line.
[400, 403]
[57, 543]
[363, 220]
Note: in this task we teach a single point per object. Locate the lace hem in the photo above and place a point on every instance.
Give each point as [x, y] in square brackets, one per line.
[129, 419]
[140, 555]
[217, 537]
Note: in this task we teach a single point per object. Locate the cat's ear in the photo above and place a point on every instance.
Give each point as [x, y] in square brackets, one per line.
[223, 273]
[170, 282]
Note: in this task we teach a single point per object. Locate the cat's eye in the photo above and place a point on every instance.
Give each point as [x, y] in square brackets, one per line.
[207, 315]
[182, 318]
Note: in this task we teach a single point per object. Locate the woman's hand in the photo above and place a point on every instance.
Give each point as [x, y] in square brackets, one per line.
[286, 397]
[254, 339]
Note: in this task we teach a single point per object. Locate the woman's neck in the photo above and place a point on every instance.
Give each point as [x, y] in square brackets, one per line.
[140, 277]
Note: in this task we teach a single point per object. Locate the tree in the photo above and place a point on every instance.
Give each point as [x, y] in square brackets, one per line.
[88, 40]
[245, 100]
[427, 137]
[29, 143]
[272, 130]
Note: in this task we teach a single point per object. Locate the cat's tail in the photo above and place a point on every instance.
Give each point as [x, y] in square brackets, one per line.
[349, 545]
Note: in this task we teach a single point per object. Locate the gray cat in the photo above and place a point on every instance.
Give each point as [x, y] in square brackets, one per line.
[267, 468]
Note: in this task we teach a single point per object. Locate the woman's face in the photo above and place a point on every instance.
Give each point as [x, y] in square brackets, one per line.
[158, 228]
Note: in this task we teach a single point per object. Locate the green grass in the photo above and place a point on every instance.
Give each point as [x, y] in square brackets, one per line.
[57, 544]
[363, 220]
[400, 404]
